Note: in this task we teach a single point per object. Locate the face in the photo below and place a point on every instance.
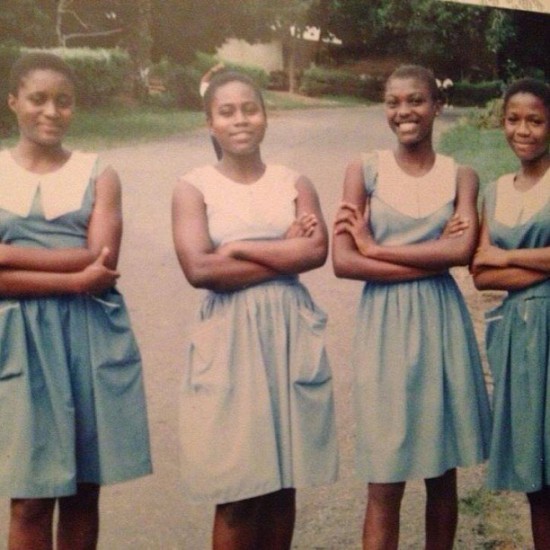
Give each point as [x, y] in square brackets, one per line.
[237, 119]
[527, 126]
[43, 106]
[410, 110]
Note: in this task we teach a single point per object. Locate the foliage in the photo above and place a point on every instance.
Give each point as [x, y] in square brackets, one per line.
[182, 87]
[488, 117]
[317, 81]
[478, 93]
[7, 56]
[27, 23]
[100, 74]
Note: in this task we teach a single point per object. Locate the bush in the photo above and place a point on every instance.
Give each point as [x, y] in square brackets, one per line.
[490, 117]
[182, 87]
[203, 62]
[317, 81]
[100, 74]
[7, 57]
[468, 94]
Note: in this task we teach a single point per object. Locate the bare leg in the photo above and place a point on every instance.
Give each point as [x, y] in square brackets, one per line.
[31, 524]
[539, 503]
[277, 520]
[236, 525]
[441, 511]
[381, 527]
[78, 526]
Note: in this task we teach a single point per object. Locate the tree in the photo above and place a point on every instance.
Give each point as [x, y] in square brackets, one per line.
[27, 22]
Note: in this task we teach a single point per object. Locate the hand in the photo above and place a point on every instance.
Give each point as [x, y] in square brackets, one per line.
[97, 277]
[490, 256]
[350, 220]
[303, 226]
[455, 227]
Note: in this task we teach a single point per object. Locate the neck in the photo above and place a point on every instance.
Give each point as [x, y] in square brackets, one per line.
[38, 158]
[534, 170]
[417, 159]
[244, 169]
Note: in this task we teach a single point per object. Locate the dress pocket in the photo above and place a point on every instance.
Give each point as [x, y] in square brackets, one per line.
[12, 335]
[309, 352]
[208, 355]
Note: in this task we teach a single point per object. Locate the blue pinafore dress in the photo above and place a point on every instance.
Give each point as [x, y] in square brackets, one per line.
[518, 345]
[257, 412]
[72, 406]
[420, 399]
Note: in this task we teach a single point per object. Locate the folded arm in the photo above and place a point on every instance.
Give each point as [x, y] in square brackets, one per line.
[202, 265]
[296, 253]
[495, 268]
[351, 233]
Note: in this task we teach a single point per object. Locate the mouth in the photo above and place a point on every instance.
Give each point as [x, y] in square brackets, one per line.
[407, 126]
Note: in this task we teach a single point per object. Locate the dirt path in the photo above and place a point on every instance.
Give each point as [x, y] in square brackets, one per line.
[152, 513]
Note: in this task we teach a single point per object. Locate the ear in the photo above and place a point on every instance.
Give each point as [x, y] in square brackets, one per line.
[12, 100]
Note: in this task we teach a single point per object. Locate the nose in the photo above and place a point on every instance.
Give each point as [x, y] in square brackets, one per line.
[50, 109]
[403, 108]
[240, 117]
[523, 128]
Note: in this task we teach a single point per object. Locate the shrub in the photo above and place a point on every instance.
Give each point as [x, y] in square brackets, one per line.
[317, 81]
[489, 117]
[100, 74]
[469, 94]
[182, 87]
[7, 56]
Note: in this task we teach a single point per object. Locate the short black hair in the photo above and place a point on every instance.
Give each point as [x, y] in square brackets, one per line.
[420, 73]
[529, 86]
[33, 61]
[225, 77]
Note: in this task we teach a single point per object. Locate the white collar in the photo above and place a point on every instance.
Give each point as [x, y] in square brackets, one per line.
[61, 191]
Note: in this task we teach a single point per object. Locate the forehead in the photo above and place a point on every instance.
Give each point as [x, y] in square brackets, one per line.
[45, 78]
[527, 101]
[235, 91]
[397, 86]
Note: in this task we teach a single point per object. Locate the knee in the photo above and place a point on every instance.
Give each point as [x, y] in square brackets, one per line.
[32, 511]
[241, 512]
[385, 494]
[85, 499]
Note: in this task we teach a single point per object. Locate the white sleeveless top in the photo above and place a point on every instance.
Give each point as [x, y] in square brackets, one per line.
[264, 209]
[515, 207]
[416, 196]
[61, 191]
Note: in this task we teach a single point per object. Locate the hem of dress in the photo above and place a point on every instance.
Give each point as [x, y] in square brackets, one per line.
[244, 495]
[412, 476]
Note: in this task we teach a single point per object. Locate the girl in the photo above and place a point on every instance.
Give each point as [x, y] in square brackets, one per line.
[257, 410]
[514, 255]
[71, 394]
[420, 399]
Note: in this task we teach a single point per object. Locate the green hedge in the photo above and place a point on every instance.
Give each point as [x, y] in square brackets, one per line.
[317, 81]
[7, 57]
[468, 94]
[101, 74]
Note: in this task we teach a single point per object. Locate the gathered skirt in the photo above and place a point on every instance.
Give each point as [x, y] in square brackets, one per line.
[518, 349]
[257, 412]
[72, 405]
[420, 399]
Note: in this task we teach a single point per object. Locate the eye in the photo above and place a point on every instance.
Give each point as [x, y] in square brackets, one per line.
[64, 101]
[37, 99]
[391, 103]
[251, 108]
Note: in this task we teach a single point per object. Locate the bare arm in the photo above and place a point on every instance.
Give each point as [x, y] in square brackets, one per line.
[489, 275]
[202, 265]
[348, 261]
[442, 253]
[290, 255]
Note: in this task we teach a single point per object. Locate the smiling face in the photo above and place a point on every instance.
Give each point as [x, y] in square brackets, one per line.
[44, 106]
[527, 126]
[237, 119]
[410, 109]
